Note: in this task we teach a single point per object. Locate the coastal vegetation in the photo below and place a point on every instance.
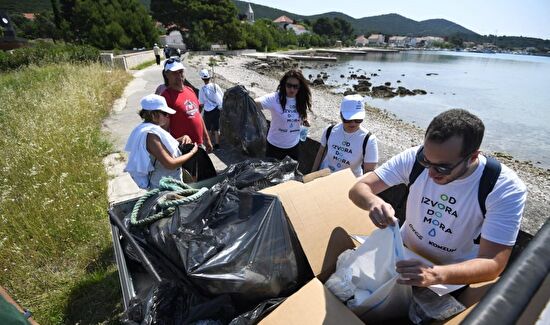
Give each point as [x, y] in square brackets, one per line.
[55, 247]
[127, 24]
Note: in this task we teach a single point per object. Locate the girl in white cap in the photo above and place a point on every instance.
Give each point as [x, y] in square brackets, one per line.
[348, 144]
[152, 152]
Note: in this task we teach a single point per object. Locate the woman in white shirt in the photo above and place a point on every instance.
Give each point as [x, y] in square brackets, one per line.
[152, 152]
[288, 107]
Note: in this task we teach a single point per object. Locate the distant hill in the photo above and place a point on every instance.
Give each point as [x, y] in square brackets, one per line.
[390, 24]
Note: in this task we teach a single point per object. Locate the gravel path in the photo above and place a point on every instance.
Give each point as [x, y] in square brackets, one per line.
[394, 135]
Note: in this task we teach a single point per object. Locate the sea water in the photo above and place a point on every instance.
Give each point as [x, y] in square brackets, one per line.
[510, 93]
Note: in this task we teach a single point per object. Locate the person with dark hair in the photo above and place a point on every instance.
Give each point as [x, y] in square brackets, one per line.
[288, 107]
[153, 152]
[463, 209]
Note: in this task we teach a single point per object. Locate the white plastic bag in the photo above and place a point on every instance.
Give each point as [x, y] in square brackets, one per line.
[366, 278]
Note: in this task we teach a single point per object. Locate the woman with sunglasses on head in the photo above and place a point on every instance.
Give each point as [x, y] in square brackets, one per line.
[153, 152]
[288, 107]
[348, 144]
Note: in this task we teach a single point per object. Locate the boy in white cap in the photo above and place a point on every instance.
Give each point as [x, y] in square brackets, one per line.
[348, 144]
[211, 101]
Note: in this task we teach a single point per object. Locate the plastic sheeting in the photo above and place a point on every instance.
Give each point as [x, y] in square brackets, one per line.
[231, 252]
[242, 123]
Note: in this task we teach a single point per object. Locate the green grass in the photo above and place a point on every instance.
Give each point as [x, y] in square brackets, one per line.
[55, 250]
[144, 65]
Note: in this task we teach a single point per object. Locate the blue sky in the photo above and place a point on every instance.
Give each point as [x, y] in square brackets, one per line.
[530, 18]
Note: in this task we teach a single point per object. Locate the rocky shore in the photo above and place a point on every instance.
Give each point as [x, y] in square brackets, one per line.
[394, 135]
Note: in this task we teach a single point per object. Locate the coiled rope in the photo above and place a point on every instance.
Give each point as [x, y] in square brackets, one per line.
[168, 207]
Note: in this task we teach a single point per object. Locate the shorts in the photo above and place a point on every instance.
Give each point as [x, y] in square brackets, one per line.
[272, 151]
[212, 120]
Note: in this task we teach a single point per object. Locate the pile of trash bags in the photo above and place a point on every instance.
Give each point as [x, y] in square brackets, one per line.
[225, 255]
[242, 123]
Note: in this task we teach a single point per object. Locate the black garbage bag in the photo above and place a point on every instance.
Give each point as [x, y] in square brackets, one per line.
[240, 243]
[256, 174]
[255, 315]
[200, 166]
[232, 245]
[242, 123]
[171, 303]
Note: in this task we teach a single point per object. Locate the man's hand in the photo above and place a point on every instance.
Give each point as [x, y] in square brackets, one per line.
[184, 139]
[416, 273]
[381, 213]
[195, 148]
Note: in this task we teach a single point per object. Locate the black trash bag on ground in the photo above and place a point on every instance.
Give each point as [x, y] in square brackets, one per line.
[242, 123]
[256, 174]
[240, 243]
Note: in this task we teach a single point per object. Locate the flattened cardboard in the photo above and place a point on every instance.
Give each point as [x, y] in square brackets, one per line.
[312, 304]
[323, 217]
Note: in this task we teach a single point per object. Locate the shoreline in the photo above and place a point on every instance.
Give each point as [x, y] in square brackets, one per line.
[394, 134]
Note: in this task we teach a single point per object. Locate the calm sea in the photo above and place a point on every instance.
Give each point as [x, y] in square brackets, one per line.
[510, 93]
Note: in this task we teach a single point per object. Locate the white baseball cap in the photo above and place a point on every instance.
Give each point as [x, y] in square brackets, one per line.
[174, 66]
[352, 107]
[155, 103]
[204, 74]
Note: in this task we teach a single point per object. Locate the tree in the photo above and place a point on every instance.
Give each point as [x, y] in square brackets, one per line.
[208, 21]
[108, 24]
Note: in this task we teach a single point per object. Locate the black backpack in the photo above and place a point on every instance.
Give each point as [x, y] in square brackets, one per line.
[329, 129]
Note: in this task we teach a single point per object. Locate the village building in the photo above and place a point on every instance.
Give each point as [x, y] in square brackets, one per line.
[361, 40]
[376, 40]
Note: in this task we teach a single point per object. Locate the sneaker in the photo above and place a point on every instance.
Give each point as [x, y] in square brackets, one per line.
[217, 146]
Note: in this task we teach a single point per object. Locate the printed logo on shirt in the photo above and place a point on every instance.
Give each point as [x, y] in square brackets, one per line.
[190, 108]
[437, 211]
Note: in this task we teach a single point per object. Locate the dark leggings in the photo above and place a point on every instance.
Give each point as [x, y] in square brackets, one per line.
[279, 153]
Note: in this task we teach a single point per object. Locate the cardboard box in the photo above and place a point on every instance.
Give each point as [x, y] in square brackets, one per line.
[324, 218]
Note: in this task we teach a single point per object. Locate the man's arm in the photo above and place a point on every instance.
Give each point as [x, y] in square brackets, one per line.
[368, 167]
[490, 262]
[363, 194]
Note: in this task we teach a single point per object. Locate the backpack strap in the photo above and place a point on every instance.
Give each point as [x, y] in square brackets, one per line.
[329, 129]
[489, 178]
[416, 170]
[365, 140]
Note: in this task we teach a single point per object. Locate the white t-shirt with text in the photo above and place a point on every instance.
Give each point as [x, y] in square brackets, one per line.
[284, 131]
[211, 96]
[442, 221]
[345, 150]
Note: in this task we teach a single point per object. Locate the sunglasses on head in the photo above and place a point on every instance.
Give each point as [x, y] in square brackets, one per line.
[354, 121]
[292, 86]
[444, 169]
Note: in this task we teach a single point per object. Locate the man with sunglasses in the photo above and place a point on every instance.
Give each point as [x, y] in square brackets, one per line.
[348, 144]
[187, 120]
[444, 220]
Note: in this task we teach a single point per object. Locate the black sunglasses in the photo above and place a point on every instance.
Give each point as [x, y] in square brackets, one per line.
[349, 121]
[291, 85]
[439, 168]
